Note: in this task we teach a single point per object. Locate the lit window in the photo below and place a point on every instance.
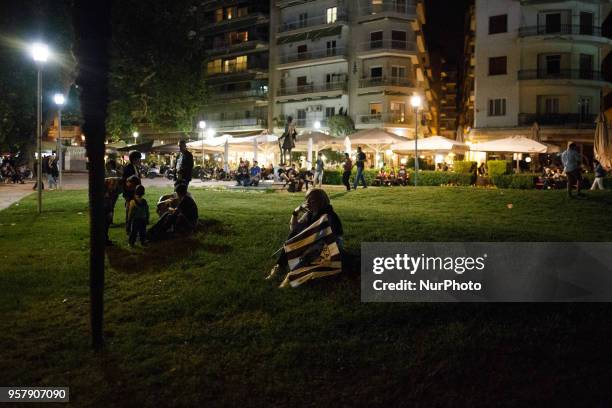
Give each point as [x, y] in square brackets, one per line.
[332, 15]
[218, 15]
[497, 107]
[214, 67]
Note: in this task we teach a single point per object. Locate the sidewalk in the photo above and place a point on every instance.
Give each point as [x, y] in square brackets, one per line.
[11, 193]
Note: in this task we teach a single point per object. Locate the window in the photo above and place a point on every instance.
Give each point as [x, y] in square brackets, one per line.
[218, 15]
[376, 39]
[238, 37]
[553, 65]
[331, 48]
[398, 40]
[214, 67]
[398, 72]
[303, 20]
[497, 107]
[398, 112]
[301, 118]
[238, 64]
[498, 24]
[498, 66]
[302, 51]
[376, 109]
[586, 66]
[332, 15]
[585, 108]
[302, 83]
[242, 12]
[230, 12]
[586, 23]
[553, 23]
[551, 106]
[330, 111]
[376, 72]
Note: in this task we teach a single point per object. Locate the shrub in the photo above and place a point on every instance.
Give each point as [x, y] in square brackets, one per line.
[515, 181]
[464, 166]
[497, 168]
[422, 164]
[426, 178]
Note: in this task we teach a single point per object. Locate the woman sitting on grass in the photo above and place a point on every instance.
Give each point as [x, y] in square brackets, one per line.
[181, 219]
[311, 257]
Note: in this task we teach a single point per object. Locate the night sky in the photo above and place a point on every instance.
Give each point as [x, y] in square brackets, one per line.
[444, 29]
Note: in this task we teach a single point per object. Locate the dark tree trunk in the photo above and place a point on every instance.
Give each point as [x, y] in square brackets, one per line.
[92, 38]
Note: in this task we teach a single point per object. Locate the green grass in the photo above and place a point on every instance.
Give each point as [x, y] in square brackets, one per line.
[193, 323]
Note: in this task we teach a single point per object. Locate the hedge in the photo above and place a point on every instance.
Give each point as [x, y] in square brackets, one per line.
[497, 168]
[465, 166]
[525, 181]
[426, 178]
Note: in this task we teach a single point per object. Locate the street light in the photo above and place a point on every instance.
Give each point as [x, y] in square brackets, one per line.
[59, 100]
[202, 126]
[317, 125]
[135, 135]
[40, 55]
[416, 103]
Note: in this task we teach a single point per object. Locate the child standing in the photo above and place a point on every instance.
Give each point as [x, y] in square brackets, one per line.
[138, 216]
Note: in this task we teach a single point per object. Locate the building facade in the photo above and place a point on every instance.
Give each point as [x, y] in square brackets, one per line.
[236, 35]
[537, 62]
[363, 59]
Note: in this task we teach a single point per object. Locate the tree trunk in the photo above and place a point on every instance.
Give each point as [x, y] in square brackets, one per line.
[92, 38]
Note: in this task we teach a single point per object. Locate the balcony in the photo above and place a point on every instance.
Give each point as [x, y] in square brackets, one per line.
[381, 119]
[312, 88]
[224, 49]
[563, 29]
[385, 81]
[564, 120]
[395, 47]
[587, 75]
[221, 94]
[310, 22]
[338, 52]
[239, 124]
[387, 8]
[237, 23]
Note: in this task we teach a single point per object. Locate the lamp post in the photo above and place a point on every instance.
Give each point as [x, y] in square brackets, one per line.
[416, 103]
[135, 135]
[202, 126]
[59, 100]
[40, 54]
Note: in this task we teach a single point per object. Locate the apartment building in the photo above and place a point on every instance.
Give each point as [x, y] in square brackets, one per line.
[361, 58]
[466, 75]
[236, 35]
[538, 62]
[448, 99]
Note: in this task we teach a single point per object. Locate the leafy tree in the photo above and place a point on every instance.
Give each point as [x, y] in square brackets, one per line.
[157, 77]
[341, 125]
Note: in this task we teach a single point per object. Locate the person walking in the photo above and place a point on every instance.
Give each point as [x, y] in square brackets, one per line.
[53, 173]
[184, 165]
[319, 169]
[360, 163]
[600, 174]
[347, 167]
[572, 162]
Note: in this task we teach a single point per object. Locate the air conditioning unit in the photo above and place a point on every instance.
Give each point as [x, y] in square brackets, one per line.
[319, 108]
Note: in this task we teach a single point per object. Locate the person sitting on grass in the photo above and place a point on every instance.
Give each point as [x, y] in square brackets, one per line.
[381, 177]
[316, 205]
[179, 219]
[138, 216]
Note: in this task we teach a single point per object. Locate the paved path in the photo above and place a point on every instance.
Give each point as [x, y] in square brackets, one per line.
[11, 193]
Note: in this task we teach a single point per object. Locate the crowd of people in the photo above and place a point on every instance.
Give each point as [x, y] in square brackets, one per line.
[11, 172]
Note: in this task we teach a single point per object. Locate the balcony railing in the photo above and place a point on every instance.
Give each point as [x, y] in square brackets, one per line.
[385, 81]
[569, 120]
[223, 47]
[528, 74]
[385, 45]
[312, 22]
[312, 88]
[563, 29]
[385, 118]
[247, 93]
[309, 123]
[311, 55]
[403, 8]
[238, 123]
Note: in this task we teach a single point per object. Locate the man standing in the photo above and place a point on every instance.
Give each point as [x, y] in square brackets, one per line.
[129, 180]
[184, 165]
[360, 163]
[53, 172]
[347, 167]
[318, 176]
[572, 167]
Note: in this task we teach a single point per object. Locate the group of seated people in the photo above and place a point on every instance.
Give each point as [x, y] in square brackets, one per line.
[552, 179]
[250, 176]
[294, 180]
[11, 173]
[389, 177]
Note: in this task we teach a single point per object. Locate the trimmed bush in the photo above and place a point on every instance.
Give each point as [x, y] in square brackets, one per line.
[497, 168]
[464, 166]
[426, 178]
[515, 181]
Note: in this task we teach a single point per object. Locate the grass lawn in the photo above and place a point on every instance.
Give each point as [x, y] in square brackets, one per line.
[192, 322]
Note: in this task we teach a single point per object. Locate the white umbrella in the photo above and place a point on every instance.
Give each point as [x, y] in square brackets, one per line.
[375, 137]
[513, 144]
[309, 154]
[347, 145]
[602, 143]
[431, 144]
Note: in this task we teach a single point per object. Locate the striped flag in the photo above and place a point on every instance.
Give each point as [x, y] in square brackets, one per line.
[313, 253]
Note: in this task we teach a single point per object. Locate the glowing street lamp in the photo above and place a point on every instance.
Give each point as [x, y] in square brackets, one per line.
[60, 101]
[135, 136]
[416, 103]
[202, 126]
[40, 55]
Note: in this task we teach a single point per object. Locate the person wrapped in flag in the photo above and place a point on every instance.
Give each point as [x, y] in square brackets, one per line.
[315, 244]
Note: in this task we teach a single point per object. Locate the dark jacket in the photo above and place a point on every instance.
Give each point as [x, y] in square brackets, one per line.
[188, 209]
[184, 166]
[128, 171]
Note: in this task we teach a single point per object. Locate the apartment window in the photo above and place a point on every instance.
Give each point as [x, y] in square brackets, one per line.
[553, 23]
[497, 107]
[586, 66]
[301, 117]
[376, 109]
[548, 105]
[586, 23]
[302, 83]
[398, 72]
[238, 37]
[332, 15]
[242, 11]
[214, 67]
[230, 12]
[376, 72]
[237, 64]
[303, 19]
[218, 15]
[553, 65]
[585, 103]
[398, 39]
[498, 66]
[398, 112]
[330, 111]
[498, 24]
[302, 51]
[376, 39]
[331, 48]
